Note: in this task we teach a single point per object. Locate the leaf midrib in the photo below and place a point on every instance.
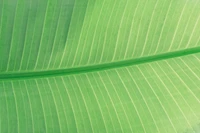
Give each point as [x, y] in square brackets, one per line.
[99, 67]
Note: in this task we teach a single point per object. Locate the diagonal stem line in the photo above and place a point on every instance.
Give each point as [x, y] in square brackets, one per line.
[99, 67]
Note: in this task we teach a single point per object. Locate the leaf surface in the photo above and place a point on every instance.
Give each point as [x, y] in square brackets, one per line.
[99, 66]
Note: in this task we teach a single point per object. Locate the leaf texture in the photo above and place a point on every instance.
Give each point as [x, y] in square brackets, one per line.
[91, 66]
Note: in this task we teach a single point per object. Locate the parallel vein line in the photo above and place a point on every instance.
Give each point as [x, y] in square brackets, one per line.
[132, 101]
[111, 102]
[97, 103]
[84, 103]
[70, 103]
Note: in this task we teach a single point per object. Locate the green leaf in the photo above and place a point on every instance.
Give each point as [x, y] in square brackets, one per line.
[99, 66]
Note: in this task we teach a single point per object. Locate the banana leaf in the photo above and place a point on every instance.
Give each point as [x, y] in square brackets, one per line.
[99, 66]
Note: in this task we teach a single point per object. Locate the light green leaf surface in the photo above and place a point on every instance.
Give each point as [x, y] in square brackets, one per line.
[102, 66]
